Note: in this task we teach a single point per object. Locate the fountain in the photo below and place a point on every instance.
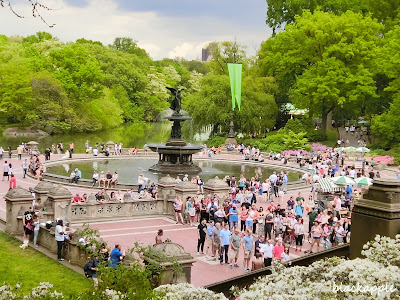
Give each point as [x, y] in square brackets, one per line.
[175, 156]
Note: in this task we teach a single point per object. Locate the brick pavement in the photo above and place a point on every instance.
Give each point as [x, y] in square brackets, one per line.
[144, 230]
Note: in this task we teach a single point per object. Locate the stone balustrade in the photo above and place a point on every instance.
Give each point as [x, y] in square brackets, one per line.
[93, 210]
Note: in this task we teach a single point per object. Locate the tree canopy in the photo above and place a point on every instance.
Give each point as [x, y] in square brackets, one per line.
[323, 61]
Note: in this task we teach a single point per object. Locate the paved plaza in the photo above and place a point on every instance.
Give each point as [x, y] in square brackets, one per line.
[143, 230]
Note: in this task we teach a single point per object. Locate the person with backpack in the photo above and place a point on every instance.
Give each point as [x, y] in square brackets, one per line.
[91, 269]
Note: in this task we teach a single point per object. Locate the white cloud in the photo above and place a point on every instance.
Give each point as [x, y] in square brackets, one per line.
[103, 20]
[188, 50]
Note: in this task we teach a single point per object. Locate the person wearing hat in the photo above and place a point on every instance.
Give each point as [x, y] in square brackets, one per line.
[78, 175]
[185, 178]
[316, 233]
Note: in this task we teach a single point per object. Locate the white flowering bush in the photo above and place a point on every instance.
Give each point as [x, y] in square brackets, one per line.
[332, 278]
[6, 292]
[375, 277]
[185, 291]
[43, 291]
[383, 250]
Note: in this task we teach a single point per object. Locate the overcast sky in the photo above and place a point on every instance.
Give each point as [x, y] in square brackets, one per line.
[164, 28]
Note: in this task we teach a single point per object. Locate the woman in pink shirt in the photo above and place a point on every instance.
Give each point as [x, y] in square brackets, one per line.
[278, 249]
[13, 182]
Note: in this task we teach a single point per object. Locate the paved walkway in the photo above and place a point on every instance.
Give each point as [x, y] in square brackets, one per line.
[144, 230]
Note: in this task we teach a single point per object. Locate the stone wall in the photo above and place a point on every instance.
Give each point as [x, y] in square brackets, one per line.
[71, 251]
[94, 211]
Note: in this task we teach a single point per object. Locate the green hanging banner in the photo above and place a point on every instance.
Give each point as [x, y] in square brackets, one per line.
[235, 76]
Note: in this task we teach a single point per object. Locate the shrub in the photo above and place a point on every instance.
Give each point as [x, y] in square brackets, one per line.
[295, 125]
[386, 159]
[216, 141]
[316, 136]
[318, 147]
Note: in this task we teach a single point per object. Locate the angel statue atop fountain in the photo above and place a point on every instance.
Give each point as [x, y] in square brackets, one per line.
[176, 103]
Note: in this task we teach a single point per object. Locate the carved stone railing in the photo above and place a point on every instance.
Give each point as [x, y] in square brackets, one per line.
[113, 210]
[71, 251]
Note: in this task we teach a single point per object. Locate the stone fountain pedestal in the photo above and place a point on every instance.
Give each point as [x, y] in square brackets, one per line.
[175, 156]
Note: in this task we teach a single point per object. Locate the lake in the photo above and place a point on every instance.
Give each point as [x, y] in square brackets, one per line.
[130, 134]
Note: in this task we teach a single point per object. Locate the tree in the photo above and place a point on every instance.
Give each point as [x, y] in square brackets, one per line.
[53, 110]
[285, 11]
[39, 37]
[386, 126]
[211, 105]
[223, 53]
[282, 12]
[79, 72]
[324, 61]
[125, 44]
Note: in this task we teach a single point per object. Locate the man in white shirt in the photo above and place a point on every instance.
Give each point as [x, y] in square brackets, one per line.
[239, 197]
[266, 251]
[95, 152]
[6, 169]
[352, 173]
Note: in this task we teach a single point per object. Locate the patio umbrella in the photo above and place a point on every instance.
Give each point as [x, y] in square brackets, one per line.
[364, 181]
[32, 143]
[343, 180]
[362, 149]
[338, 149]
[350, 149]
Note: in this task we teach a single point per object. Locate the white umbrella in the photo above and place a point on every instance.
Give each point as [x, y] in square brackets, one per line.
[362, 149]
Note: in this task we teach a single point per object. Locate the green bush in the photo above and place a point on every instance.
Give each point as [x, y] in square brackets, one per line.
[296, 125]
[395, 152]
[216, 141]
[279, 141]
[316, 136]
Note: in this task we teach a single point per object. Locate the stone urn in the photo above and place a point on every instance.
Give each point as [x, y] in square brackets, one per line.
[176, 261]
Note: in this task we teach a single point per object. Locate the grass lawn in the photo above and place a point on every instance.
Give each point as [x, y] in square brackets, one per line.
[29, 267]
[332, 138]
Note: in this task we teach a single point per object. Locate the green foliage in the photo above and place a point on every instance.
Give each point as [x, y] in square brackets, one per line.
[323, 61]
[223, 53]
[294, 141]
[211, 105]
[83, 86]
[394, 151]
[279, 141]
[215, 141]
[317, 136]
[295, 125]
[39, 37]
[285, 11]
[132, 281]
[93, 241]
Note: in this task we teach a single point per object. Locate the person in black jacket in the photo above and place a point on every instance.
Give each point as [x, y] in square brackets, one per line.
[91, 269]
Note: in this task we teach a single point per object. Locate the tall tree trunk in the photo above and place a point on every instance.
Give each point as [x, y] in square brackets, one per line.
[329, 121]
[324, 119]
[326, 111]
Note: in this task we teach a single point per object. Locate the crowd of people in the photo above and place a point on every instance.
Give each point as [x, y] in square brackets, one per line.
[257, 219]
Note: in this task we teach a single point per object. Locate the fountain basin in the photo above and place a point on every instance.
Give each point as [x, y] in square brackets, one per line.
[175, 157]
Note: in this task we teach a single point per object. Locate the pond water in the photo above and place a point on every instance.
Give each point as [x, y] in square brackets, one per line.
[129, 169]
[131, 135]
